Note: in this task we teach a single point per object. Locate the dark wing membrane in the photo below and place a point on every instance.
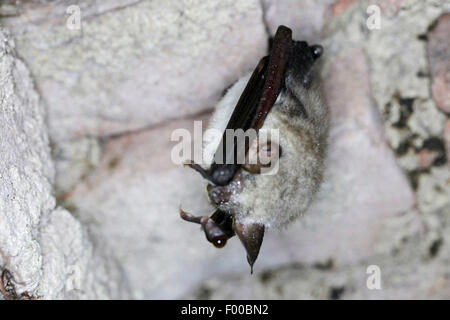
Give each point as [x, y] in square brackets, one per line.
[220, 173]
[245, 109]
[255, 103]
[274, 74]
[244, 112]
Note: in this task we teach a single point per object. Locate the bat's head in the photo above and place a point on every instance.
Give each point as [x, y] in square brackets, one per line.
[301, 61]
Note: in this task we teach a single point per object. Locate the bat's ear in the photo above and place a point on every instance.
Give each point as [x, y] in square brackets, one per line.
[316, 51]
[251, 236]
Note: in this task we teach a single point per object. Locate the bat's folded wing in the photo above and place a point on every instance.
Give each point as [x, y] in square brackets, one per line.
[252, 108]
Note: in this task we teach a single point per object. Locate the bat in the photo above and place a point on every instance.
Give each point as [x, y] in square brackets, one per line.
[281, 94]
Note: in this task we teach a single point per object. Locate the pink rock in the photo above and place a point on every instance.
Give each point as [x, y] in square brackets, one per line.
[441, 91]
[447, 138]
[364, 187]
[439, 60]
[426, 158]
[390, 7]
[339, 7]
[133, 64]
[304, 17]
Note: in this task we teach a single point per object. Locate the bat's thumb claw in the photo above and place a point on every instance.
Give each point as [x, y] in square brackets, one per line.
[188, 163]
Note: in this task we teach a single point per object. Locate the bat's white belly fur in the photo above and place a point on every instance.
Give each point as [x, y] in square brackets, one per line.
[275, 200]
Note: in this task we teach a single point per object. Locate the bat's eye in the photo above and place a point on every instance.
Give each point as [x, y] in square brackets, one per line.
[316, 51]
[219, 241]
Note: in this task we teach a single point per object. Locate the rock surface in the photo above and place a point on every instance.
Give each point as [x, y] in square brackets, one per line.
[304, 17]
[46, 250]
[132, 64]
[410, 248]
[385, 201]
[355, 198]
[25, 170]
[439, 59]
